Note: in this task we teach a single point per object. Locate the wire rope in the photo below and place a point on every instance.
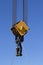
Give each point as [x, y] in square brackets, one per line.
[12, 61]
[14, 11]
[25, 11]
[26, 54]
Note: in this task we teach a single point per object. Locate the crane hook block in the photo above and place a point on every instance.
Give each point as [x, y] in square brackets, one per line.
[20, 28]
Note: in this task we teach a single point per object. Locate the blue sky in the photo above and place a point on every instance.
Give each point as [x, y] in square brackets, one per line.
[33, 44]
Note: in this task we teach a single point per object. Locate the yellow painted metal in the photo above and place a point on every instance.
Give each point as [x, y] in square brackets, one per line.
[21, 27]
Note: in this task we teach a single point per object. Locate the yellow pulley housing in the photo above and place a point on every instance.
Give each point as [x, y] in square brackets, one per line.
[20, 28]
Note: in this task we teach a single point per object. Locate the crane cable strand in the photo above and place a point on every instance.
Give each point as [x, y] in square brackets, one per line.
[25, 53]
[14, 11]
[12, 61]
[25, 11]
